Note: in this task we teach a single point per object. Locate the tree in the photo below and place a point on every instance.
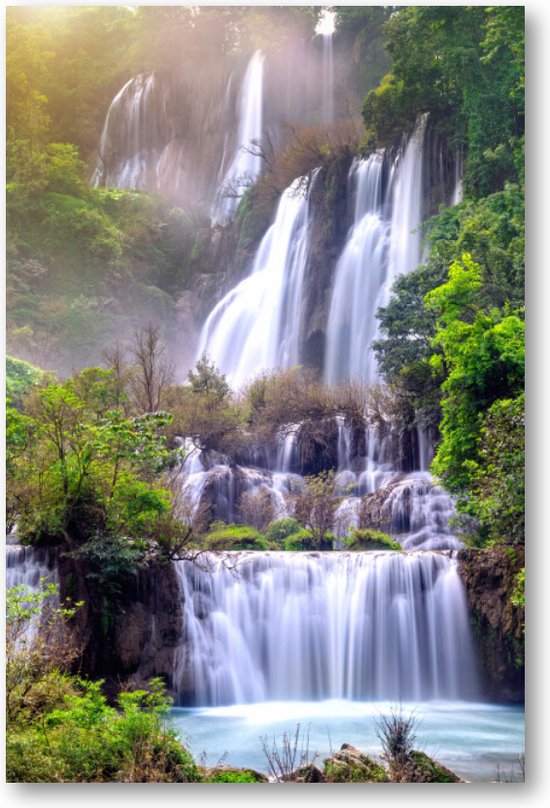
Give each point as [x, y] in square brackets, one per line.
[483, 354]
[315, 507]
[153, 370]
[497, 489]
[84, 468]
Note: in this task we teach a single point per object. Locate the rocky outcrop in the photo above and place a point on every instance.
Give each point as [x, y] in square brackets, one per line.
[133, 636]
[349, 765]
[419, 768]
[489, 576]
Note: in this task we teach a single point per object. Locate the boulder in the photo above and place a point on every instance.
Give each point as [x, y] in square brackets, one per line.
[419, 768]
[349, 765]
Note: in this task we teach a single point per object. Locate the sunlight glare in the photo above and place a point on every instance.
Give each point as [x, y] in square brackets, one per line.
[327, 22]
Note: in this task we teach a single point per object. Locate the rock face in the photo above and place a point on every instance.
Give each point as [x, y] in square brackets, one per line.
[489, 576]
[135, 640]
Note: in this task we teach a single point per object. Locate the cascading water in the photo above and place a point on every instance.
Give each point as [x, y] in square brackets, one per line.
[29, 566]
[359, 275]
[377, 251]
[365, 626]
[138, 148]
[246, 164]
[257, 325]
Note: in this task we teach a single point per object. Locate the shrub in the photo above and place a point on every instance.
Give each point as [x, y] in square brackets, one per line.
[281, 529]
[235, 537]
[360, 540]
[300, 540]
[396, 733]
[233, 776]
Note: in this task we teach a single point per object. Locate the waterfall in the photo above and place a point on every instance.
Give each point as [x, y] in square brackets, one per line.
[246, 164]
[138, 148]
[376, 252]
[257, 325]
[458, 190]
[28, 566]
[312, 626]
[358, 277]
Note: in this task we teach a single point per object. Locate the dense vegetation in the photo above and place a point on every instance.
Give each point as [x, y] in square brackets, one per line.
[93, 454]
[454, 330]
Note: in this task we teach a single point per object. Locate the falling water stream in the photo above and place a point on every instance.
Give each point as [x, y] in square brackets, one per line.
[271, 639]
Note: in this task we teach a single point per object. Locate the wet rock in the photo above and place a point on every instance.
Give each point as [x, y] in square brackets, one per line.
[489, 577]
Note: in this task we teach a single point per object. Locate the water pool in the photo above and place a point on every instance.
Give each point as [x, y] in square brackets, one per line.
[480, 742]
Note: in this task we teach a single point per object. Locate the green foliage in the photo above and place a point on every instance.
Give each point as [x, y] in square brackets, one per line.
[484, 356]
[469, 74]
[20, 376]
[87, 468]
[234, 537]
[60, 727]
[85, 740]
[518, 597]
[243, 776]
[281, 529]
[299, 541]
[361, 540]
[497, 488]
[207, 381]
[315, 507]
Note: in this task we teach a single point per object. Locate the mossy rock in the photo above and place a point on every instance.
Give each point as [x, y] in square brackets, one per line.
[349, 765]
[228, 774]
[360, 541]
[427, 770]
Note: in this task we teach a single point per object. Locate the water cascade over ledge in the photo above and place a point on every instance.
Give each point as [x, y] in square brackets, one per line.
[379, 248]
[312, 626]
[257, 324]
[246, 164]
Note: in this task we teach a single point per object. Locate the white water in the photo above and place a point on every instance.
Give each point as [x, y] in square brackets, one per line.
[312, 626]
[377, 251]
[29, 566]
[246, 164]
[257, 325]
[138, 148]
[359, 275]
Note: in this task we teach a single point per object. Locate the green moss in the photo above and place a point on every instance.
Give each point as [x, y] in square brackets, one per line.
[281, 529]
[235, 537]
[428, 770]
[364, 770]
[235, 776]
[362, 540]
[299, 541]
